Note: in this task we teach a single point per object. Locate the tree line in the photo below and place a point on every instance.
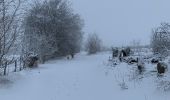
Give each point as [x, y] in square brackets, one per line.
[48, 28]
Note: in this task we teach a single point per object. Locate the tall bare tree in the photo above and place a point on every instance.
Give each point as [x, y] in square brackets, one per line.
[9, 26]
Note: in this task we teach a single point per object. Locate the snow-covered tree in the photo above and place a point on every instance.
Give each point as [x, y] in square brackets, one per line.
[52, 29]
[160, 40]
[93, 44]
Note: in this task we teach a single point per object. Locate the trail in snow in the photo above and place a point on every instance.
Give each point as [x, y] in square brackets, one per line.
[77, 79]
[82, 78]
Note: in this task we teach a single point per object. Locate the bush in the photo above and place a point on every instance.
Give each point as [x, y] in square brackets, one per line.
[32, 61]
[115, 52]
[161, 68]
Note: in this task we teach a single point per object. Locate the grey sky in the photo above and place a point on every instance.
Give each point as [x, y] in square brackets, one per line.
[118, 22]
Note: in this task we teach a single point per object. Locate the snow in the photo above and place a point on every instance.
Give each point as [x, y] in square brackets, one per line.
[82, 78]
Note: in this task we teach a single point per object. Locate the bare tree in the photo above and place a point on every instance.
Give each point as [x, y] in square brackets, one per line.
[93, 44]
[9, 26]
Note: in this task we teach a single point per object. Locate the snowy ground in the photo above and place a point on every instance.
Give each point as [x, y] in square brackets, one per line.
[82, 78]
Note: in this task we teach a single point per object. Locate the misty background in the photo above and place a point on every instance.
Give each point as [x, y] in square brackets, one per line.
[119, 22]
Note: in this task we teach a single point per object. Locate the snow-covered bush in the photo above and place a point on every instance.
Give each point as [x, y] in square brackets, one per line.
[162, 67]
[32, 61]
[115, 52]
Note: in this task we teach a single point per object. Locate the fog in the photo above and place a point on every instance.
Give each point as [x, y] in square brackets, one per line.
[119, 22]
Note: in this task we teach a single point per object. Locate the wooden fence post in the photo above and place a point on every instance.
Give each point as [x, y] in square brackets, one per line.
[20, 63]
[5, 68]
[15, 66]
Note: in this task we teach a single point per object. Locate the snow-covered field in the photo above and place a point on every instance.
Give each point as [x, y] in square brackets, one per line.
[84, 78]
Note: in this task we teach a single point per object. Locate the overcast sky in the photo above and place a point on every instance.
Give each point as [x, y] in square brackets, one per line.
[118, 22]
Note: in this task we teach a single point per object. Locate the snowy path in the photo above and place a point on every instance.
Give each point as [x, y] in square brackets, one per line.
[82, 78]
[78, 79]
